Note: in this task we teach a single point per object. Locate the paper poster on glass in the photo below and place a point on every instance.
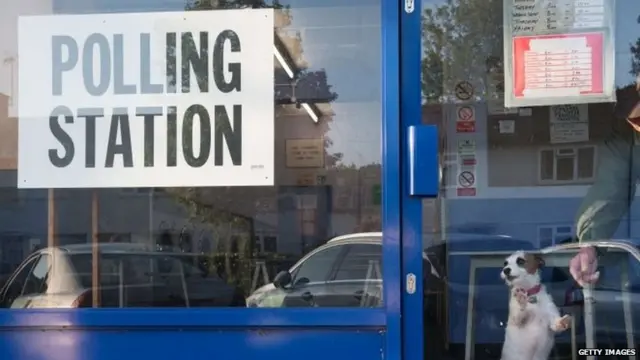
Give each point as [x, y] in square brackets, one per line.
[164, 99]
[558, 52]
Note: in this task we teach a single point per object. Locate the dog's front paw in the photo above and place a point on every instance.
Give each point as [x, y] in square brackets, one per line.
[521, 297]
[561, 324]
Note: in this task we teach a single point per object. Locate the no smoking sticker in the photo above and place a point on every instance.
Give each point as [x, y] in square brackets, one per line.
[466, 179]
[466, 113]
[464, 90]
[465, 119]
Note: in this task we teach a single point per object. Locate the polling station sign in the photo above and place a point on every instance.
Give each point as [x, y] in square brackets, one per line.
[146, 100]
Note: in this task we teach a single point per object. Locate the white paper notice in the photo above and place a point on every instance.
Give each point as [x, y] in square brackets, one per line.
[569, 123]
[558, 67]
[507, 126]
[558, 52]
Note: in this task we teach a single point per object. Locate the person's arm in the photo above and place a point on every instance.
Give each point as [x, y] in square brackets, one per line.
[608, 199]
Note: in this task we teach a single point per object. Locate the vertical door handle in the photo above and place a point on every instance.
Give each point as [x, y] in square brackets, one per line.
[424, 168]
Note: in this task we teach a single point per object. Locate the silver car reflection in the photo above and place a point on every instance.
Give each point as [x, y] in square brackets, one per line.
[127, 275]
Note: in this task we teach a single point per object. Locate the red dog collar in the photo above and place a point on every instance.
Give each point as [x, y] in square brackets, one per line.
[534, 290]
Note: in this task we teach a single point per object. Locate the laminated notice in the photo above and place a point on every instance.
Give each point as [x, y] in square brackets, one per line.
[558, 52]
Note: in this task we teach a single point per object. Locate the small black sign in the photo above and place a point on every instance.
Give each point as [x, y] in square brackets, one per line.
[464, 90]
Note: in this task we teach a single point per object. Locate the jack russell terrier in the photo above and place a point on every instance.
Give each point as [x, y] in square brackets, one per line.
[533, 317]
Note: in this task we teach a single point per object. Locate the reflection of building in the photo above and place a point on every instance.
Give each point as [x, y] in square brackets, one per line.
[8, 136]
[531, 167]
[9, 44]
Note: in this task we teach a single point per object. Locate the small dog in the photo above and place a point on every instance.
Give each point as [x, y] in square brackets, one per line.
[533, 317]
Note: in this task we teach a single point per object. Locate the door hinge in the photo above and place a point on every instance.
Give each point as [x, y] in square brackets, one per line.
[409, 6]
[411, 283]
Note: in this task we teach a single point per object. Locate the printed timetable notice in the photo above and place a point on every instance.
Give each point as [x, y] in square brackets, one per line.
[558, 52]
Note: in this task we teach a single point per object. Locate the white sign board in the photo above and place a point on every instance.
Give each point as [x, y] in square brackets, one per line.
[466, 146]
[507, 126]
[568, 123]
[146, 100]
[559, 52]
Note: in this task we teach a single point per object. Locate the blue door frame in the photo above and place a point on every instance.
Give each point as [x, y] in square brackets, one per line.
[274, 333]
[413, 340]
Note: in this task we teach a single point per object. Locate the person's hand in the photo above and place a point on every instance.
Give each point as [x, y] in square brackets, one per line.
[627, 104]
[583, 267]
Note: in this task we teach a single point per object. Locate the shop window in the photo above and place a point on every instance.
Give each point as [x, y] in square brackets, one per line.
[362, 262]
[270, 244]
[266, 243]
[70, 239]
[567, 165]
[345, 198]
[552, 235]
[226, 223]
[9, 195]
[37, 280]
[137, 191]
[257, 241]
[114, 238]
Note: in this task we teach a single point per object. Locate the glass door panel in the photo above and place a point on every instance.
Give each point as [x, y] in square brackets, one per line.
[527, 169]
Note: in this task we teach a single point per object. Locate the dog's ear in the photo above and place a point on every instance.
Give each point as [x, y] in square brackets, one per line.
[534, 263]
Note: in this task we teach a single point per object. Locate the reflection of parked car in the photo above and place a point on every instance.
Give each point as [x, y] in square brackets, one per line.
[344, 272]
[130, 275]
[340, 271]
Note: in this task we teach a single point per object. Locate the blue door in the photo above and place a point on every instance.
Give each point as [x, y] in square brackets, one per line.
[189, 271]
[536, 147]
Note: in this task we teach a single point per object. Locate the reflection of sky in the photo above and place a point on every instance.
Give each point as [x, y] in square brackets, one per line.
[344, 40]
[627, 32]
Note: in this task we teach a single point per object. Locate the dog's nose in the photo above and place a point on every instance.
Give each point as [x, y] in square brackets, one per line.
[506, 271]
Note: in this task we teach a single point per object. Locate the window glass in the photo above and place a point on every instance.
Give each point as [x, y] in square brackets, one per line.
[537, 105]
[547, 165]
[134, 269]
[171, 280]
[362, 262]
[13, 289]
[270, 244]
[219, 194]
[565, 168]
[318, 266]
[586, 162]
[38, 277]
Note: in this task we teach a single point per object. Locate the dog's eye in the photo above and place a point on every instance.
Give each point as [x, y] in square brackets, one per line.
[506, 263]
[520, 262]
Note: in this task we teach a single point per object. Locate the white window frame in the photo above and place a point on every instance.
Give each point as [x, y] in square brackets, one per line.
[575, 148]
[554, 232]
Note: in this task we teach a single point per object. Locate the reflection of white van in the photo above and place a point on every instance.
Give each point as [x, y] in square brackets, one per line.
[130, 275]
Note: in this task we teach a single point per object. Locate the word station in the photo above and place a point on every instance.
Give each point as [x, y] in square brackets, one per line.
[216, 122]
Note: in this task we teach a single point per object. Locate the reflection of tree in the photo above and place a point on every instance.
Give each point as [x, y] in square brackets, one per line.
[635, 60]
[459, 38]
[462, 40]
[228, 212]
